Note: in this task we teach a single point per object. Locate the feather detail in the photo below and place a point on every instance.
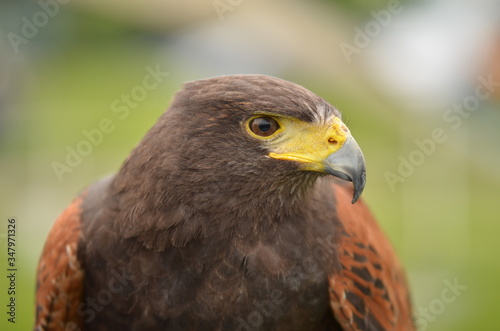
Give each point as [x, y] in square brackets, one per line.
[60, 275]
[369, 292]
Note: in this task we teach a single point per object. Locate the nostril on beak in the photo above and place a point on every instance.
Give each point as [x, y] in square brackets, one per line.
[332, 141]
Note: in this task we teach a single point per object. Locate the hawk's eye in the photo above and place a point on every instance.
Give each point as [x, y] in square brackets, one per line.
[264, 126]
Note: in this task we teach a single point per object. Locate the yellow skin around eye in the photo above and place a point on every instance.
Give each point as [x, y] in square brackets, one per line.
[304, 142]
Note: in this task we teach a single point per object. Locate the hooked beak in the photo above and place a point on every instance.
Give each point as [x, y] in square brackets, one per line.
[330, 149]
[348, 163]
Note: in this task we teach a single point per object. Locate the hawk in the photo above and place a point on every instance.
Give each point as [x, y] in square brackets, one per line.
[239, 210]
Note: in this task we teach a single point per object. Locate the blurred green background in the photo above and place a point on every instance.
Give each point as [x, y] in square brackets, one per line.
[397, 70]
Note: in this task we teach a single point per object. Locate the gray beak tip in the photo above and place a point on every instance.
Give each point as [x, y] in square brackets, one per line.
[359, 185]
[348, 164]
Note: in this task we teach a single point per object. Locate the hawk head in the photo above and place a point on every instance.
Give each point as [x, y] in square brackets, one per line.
[236, 144]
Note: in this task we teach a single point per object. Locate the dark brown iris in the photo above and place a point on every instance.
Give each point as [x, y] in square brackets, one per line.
[264, 126]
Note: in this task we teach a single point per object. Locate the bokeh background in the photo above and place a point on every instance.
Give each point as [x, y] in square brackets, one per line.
[411, 78]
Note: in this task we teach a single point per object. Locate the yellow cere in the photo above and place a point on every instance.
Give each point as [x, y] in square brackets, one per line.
[304, 142]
